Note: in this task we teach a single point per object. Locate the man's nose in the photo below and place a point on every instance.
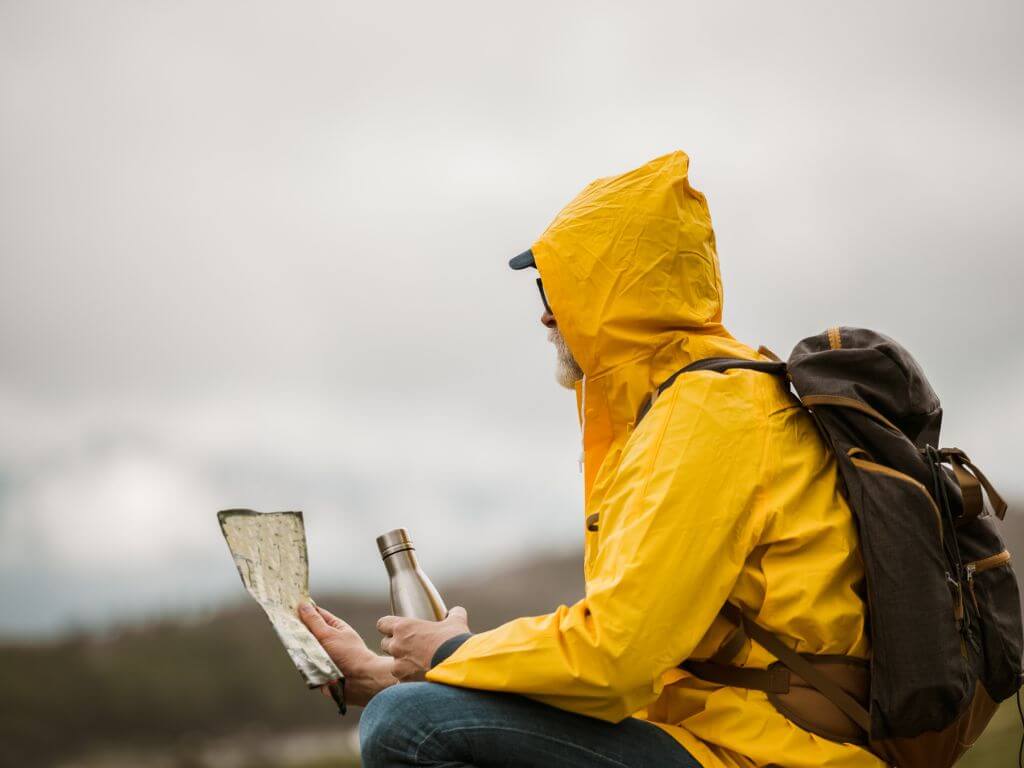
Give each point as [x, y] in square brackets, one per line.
[548, 320]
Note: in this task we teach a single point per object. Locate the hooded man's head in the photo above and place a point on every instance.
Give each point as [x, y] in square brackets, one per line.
[628, 267]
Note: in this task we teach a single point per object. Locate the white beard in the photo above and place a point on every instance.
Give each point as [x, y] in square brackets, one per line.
[567, 370]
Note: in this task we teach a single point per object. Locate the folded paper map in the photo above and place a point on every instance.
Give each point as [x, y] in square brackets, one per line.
[270, 553]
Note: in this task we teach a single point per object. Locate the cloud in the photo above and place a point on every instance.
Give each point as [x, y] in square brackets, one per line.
[254, 254]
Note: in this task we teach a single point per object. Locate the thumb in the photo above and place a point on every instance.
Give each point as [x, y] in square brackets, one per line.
[457, 614]
[314, 621]
[331, 619]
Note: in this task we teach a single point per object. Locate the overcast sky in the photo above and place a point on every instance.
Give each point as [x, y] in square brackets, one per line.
[253, 254]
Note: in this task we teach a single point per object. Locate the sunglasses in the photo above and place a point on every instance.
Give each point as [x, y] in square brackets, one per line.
[543, 297]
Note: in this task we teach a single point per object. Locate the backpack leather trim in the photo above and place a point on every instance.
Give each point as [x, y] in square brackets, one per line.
[848, 402]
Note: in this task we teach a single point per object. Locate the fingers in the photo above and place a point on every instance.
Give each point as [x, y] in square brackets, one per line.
[314, 622]
[458, 613]
[457, 617]
[390, 626]
[331, 619]
[386, 624]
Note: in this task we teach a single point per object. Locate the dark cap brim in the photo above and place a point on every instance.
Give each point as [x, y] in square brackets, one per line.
[522, 261]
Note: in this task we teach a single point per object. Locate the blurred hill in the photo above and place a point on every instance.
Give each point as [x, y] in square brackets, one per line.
[218, 690]
[180, 687]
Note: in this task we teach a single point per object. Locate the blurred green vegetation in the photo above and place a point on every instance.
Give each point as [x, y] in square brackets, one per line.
[999, 744]
[168, 685]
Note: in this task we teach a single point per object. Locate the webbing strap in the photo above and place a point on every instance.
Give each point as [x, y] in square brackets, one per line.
[847, 402]
[717, 364]
[774, 680]
[970, 490]
[972, 480]
[731, 648]
[799, 665]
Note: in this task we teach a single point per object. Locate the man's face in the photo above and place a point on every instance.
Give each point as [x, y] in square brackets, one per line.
[567, 370]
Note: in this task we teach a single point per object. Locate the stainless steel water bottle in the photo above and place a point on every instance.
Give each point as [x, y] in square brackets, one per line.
[412, 594]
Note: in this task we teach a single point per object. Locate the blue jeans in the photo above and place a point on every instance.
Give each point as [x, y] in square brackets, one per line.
[446, 727]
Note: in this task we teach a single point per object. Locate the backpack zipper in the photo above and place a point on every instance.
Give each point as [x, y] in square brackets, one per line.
[980, 566]
[990, 562]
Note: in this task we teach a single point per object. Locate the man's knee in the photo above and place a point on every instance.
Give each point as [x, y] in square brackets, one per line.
[380, 720]
[395, 722]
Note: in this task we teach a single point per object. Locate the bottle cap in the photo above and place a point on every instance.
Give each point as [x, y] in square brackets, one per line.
[394, 541]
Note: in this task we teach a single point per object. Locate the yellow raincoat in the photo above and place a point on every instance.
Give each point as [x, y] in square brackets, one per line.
[724, 491]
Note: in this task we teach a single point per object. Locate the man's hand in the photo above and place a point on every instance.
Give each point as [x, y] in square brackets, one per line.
[413, 642]
[366, 673]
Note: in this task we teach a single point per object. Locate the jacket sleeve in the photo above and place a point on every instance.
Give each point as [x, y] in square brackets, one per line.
[677, 519]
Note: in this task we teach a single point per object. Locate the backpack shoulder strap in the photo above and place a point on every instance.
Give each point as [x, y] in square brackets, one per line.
[717, 364]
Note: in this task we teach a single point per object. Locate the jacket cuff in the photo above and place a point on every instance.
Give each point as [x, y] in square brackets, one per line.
[448, 647]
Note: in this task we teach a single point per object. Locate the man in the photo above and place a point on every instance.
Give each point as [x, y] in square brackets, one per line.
[723, 492]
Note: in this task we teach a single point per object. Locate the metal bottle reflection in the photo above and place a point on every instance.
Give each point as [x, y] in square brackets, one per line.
[412, 593]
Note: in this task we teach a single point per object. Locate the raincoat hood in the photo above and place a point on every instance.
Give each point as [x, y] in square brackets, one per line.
[629, 266]
[631, 273]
